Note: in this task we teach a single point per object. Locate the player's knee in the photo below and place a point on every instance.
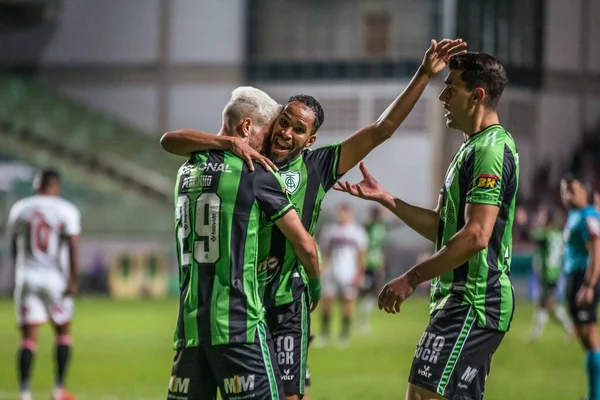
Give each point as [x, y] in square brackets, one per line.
[292, 396]
[64, 339]
[29, 344]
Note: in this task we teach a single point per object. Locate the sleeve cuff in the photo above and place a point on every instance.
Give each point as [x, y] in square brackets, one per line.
[491, 202]
[282, 212]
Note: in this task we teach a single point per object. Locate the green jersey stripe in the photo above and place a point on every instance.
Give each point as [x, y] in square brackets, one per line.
[456, 350]
[262, 338]
[243, 231]
[211, 304]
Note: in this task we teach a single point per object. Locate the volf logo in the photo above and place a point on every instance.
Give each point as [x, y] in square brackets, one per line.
[179, 385]
[239, 384]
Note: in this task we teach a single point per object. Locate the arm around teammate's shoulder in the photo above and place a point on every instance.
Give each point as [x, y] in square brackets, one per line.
[184, 142]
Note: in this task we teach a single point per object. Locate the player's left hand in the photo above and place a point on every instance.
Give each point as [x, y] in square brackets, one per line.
[71, 288]
[394, 293]
[438, 55]
[585, 296]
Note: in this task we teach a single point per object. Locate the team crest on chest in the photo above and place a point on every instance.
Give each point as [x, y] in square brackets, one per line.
[291, 180]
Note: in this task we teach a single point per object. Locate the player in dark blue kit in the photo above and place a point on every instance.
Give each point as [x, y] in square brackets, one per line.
[582, 266]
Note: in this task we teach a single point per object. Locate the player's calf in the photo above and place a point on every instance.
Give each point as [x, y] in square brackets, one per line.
[62, 354]
[25, 362]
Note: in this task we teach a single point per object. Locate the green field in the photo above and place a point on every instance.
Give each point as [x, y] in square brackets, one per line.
[122, 351]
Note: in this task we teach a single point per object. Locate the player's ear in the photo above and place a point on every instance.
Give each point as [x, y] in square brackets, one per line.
[479, 96]
[245, 127]
[311, 141]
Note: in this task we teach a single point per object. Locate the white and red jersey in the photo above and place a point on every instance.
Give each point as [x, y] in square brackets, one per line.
[42, 225]
[343, 244]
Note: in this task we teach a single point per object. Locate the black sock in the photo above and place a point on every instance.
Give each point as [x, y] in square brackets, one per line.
[62, 359]
[345, 327]
[25, 361]
[325, 325]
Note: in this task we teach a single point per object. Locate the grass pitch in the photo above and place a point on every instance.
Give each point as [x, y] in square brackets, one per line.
[122, 351]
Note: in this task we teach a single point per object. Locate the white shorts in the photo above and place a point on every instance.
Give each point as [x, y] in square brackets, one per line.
[37, 303]
[334, 286]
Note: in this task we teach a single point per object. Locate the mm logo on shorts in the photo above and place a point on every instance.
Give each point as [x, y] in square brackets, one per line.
[179, 385]
[429, 347]
[239, 384]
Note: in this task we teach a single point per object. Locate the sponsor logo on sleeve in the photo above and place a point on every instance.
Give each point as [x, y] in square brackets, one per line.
[486, 181]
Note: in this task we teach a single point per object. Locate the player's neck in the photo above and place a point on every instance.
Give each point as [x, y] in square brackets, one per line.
[480, 121]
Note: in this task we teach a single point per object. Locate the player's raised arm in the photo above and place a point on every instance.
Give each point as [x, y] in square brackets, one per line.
[184, 142]
[423, 221]
[361, 143]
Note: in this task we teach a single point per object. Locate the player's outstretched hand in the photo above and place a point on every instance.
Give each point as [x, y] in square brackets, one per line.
[394, 293]
[368, 188]
[243, 150]
[438, 55]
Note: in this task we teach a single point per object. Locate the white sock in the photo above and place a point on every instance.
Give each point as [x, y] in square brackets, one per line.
[539, 321]
[561, 314]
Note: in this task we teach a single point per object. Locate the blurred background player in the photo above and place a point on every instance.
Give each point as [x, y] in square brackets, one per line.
[44, 231]
[376, 229]
[344, 246]
[582, 267]
[221, 336]
[547, 265]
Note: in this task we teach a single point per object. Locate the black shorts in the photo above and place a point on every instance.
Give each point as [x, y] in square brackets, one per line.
[240, 371]
[547, 291]
[373, 281]
[289, 325]
[586, 314]
[454, 355]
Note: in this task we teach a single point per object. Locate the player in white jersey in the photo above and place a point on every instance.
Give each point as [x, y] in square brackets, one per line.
[44, 230]
[344, 246]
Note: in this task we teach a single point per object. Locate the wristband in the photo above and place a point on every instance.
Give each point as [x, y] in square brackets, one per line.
[587, 284]
[314, 289]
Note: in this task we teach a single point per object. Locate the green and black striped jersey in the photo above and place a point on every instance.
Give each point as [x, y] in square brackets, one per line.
[377, 233]
[548, 258]
[485, 170]
[307, 179]
[219, 205]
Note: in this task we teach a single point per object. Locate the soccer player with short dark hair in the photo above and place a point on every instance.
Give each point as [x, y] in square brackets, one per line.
[472, 298]
[582, 267]
[221, 337]
[308, 175]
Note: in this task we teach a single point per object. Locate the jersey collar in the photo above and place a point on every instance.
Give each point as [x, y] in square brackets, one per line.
[477, 134]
